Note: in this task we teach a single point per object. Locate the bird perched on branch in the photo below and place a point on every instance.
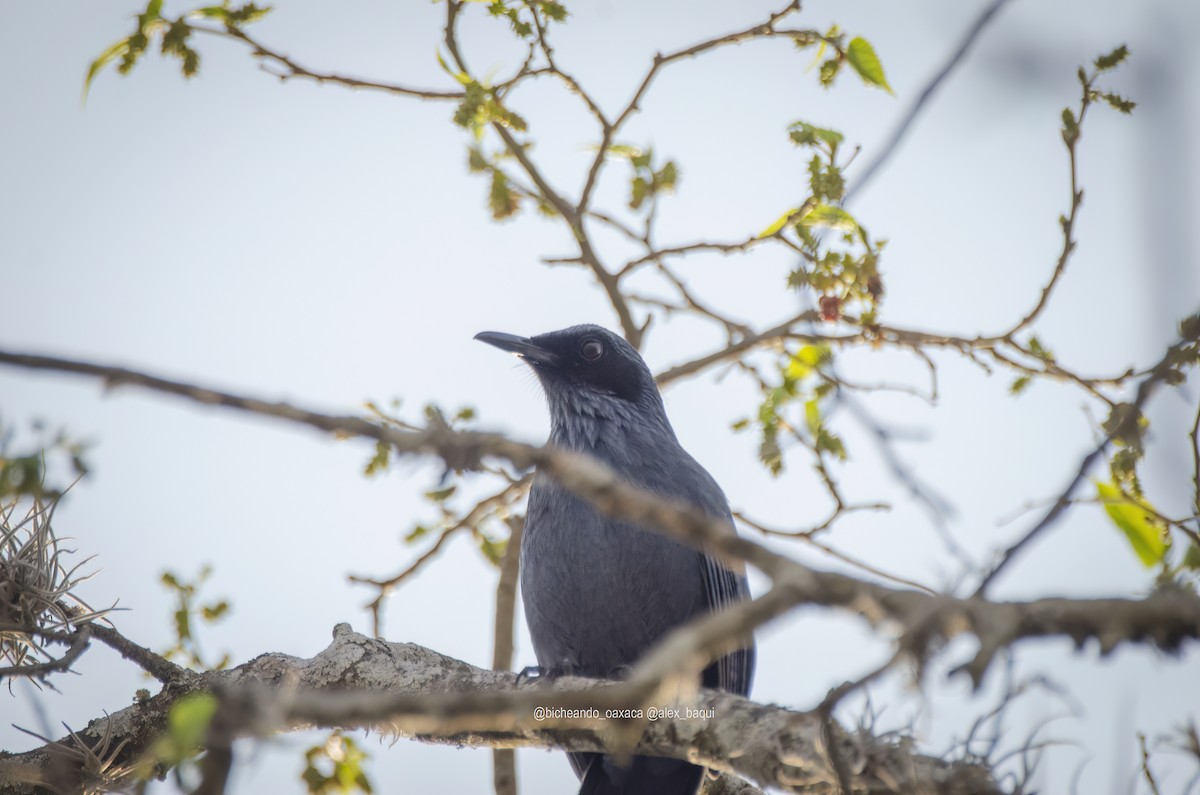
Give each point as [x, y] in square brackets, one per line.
[599, 592]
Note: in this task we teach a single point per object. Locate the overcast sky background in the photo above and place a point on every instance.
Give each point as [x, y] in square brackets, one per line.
[324, 246]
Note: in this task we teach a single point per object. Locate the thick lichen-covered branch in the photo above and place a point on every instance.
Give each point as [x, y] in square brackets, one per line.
[406, 690]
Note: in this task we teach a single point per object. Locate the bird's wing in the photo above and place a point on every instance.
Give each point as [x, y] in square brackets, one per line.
[722, 587]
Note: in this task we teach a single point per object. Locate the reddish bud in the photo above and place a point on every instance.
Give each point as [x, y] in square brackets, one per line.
[831, 308]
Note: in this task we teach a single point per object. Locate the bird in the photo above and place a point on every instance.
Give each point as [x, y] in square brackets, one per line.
[599, 592]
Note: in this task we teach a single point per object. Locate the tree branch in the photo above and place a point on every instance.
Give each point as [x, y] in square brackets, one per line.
[1164, 619]
[292, 69]
[411, 691]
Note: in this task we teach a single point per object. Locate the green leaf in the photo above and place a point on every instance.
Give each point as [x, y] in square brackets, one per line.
[829, 216]
[345, 761]
[215, 612]
[769, 452]
[1112, 59]
[829, 72]
[476, 160]
[1020, 385]
[812, 416]
[1191, 558]
[502, 201]
[248, 13]
[441, 495]
[175, 43]
[826, 180]
[210, 12]
[1189, 327]
[379, 462]
[1118, 102]
[553, 10]
[1139, 526]
[183, 625]
[418, 532]
[863, 59]
[638, 190]
[804, 134]
[798, 278]
[187, 723]
[1070, 130]
[463, 78]
[1040, 351]
[492, 549]
[117, 50]
[779, 224]
[668, 175]
[830, 443]
[806, 360]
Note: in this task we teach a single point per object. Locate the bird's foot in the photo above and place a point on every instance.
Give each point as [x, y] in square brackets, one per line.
[536, 673]
[531, 673]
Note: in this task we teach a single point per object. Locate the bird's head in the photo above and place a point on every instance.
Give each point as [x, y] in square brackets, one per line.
[586, 371]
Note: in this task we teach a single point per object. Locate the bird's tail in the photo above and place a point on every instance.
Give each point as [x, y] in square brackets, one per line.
[646, 775]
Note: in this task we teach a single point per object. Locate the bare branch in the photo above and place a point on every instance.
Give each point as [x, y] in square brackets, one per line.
[291, 69]
[156, 665]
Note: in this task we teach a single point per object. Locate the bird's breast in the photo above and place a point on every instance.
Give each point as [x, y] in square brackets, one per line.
[598, 592]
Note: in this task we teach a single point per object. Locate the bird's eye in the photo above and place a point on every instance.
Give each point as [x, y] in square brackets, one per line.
[591, 350]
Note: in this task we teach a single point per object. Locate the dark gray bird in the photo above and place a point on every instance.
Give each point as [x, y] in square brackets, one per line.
[599, 592]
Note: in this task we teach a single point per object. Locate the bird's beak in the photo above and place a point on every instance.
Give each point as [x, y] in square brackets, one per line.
[521, 346]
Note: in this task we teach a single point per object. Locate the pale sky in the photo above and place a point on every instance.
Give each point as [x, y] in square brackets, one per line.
[324, 246]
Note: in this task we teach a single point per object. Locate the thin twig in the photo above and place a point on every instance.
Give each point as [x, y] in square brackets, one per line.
[292, 69]
[972, 35]
[610, 132]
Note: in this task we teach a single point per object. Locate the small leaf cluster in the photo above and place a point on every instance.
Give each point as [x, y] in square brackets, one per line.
[859, 54]
[335, 766]
[1091, 94]
[479, 109]
[1126, 504]
[188, 609]
[480, 105]
[843, 274]
[381, 459]
[646, 181]
[804, 385]
[503, 199]
[175, 34]
[513, 12]
[491, 544]
[1106, 63]
[23, 473]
